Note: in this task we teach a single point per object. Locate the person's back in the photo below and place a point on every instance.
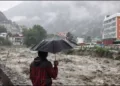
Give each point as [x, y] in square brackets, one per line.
[41, 71]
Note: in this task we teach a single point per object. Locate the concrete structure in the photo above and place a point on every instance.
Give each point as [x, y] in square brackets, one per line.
[4, 35]
[111, 30]
[95, 40]
[80, 40]
[16, 39]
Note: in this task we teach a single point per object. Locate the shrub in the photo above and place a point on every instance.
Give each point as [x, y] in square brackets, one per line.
[100, 51]
[103, 52]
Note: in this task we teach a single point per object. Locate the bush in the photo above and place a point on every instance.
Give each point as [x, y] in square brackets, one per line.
[103, 52]
[100, 51]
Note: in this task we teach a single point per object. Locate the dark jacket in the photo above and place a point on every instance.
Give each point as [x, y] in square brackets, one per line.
[41, 72]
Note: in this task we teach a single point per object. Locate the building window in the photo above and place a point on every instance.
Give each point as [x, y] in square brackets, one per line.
[17, 39]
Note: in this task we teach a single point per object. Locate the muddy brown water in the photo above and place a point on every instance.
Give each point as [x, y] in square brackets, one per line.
[73, 70]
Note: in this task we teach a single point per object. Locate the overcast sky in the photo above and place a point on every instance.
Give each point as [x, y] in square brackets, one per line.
[78, 10]
[4, 5]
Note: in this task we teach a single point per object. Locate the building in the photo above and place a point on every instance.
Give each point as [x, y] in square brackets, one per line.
[4, 35]
[80, 41]
[96, 40]
[16, 39]
[111, 31]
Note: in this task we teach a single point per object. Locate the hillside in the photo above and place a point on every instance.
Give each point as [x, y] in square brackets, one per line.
[85, 17]
[2, 17]
[11, 26]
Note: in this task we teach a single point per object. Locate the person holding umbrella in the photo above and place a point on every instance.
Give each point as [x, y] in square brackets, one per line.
[42, 71]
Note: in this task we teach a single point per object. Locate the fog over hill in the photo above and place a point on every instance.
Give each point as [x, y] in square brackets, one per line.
[85, 17]
[10, 26]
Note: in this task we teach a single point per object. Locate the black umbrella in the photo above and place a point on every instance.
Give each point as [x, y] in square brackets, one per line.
[53, 46]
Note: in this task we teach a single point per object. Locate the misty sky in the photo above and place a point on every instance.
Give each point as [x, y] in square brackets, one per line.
[36, 12]
[5, 5]
[104, 5]
[79, 10]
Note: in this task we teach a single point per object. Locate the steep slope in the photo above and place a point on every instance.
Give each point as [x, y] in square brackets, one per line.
[11, 26]
[2, 17]
[85, 17]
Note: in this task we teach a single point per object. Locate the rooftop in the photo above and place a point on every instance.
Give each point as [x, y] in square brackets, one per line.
[111, 16]
[17, 35]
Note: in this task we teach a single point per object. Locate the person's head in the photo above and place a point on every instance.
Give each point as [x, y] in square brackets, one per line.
[42, 55]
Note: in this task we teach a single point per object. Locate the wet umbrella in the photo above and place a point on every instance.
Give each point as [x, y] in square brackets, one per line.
[53, 46]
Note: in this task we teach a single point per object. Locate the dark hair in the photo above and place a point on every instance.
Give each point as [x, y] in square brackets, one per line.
[42, 55]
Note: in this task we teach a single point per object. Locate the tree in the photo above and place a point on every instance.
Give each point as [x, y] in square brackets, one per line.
[9, 34]
[71, 38]
[34, 35]
[2, 29]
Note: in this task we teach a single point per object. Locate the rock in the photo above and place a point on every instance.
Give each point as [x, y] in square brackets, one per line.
[2, 49]
[21, 55]
[118, 64]
[106, 61]
[105, 84]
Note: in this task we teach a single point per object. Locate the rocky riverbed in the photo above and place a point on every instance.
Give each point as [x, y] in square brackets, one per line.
[73, 70]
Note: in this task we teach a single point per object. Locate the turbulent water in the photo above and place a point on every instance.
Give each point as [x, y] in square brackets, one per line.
[73, 70]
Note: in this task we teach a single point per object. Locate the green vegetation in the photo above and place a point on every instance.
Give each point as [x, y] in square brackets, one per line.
[9, 34]
[71, 37]
[103, 52]
[5, 42]
[95, 51]
[69, 52]
[2, 29]
[34, 35]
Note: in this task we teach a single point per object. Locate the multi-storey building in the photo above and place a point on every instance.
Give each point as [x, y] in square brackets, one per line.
[111, 30]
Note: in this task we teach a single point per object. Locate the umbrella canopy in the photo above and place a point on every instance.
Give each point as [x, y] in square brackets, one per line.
[53, 46]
